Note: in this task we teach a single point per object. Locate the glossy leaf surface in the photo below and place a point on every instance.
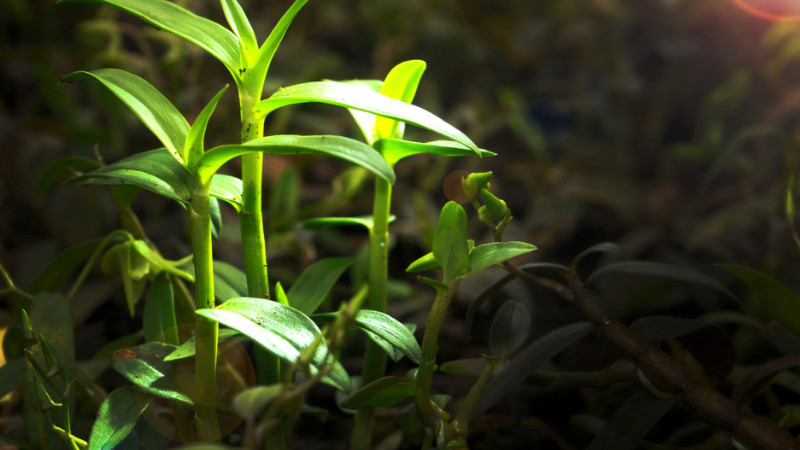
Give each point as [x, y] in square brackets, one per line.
[150, 105]
[384, 327]
[118, 414]
[145, 367]
[337, 146]
[393, 150]
[240, 25]
[193, 146]
[364, 99]
[400, 84]
[227, 188]
[208, 35]
[487, 255]
[281, 330]
[155, 170]
[450, 241]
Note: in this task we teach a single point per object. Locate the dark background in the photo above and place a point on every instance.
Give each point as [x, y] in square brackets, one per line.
[666, 126]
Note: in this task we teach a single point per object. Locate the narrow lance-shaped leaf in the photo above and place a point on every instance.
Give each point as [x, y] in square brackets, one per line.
[364, 99]
[155, 170]
[780, 302]
[393, 150]
[208, 35]
[384, 327]
[193, 148]
[150, 105]
[340, 147]
[315, 283]
[240, 25]
[400, 84]
[118, 415]
[487, 255]
[227, 188]
[145, 367]
[253, 78]
[159, 321]
[281, 330]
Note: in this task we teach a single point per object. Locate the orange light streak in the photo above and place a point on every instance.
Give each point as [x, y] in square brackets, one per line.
[754, 11]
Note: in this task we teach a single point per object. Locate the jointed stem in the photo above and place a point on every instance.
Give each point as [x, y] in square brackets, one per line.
[206, 330]
[375, 357]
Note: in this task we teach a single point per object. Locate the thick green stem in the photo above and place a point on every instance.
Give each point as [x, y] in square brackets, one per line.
[206, 330]
[375, 357]
[429, 413]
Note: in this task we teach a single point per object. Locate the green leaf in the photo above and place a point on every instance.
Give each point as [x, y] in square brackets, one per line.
[385, 328]
[487, 255]
[510, 328]
[253, 78]
[281, 330]
[321, 223]
[603, 247]
[150, 105]
[280, 295]
[381, 392]
[400, 84]
[145, 367]
[364, 99]
[450, 242]
[62, 266]
[227, 188]
[284, 199]
[193, 146]
[157, 262]
[393, 150]
[340, 147]
[664, 271]
[780, 302]
[424, 263]
[315, 283]
[51, 316]
[117, 416]
[229, 281]
[250, 402]
[215, 214]
[60, 170]
[189, 349]
[240, 25]
[159, 321]
[472, 367]
[167, 16]
[155, 170]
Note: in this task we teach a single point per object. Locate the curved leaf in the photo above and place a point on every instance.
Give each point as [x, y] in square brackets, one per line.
[208, 35]
[381, 392]
[400, 84]
[510, 328]
[158, 320]
[393, 150]
[155, 170]
[145, 367]
[189, 349]
[664, 271]
[281, 330]
[603, 247]
[340, 147]
[60, 170]
[117, 416]
[250, 402]
[384, 327]
[193, 146]
[364, 99]
[780, 302]
[315, 283]
[529, 360]
[253, 78]
[227, 188]
[149, 105]
[240, 25]
[321, 223]
[631, 422]
[424, 263]
[450, 241]
[487, 255]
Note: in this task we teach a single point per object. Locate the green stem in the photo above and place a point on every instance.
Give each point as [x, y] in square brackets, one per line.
[461, 423]
[429, 412]
[374, 356]
[206, 330]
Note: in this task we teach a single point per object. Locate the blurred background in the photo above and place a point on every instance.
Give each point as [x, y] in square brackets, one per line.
[667, 126]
